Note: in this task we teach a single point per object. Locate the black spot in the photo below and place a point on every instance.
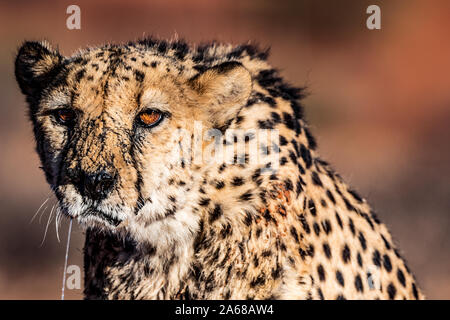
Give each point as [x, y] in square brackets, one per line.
[248, 218]
[267, 78]
[311, 251]
[358, 284]
[359, 259]
[296, 148]
[283, 140]
[319, 292]
[348, 205]
[387, 263]
[154, 64]
[246, 196]
[302, 253]
[340, 297]
[204, 202]
[237, 181]
[327, 250]
[374, 217]
[362, 240]
[331, 197]
[294, 234]
[346, 254]
[376, 258]
[414, 290]
[220, 185]
[265, 124]
[305, 224]
[391, 291]
[316, 228]
[321, 272]
[256, 174]
[326, 225]
[139, 76]
[293, 157]
[312, 207]
[266, 253]
[260, 280]
[216, 213]
[366, 216]
[306, 155]
[386, 243]
[311, 141]
[275, 117]
[276, 273]
[351, 225]
[162, 47]
[268, 216]
[170, 212]
[401, 277]
[181, 49]
[79, 75]
[315, 179]
[339, 221]
[340, 278]
[226, 231]
[289, 121]
[288, 184]
[355, 195]
[298, 186]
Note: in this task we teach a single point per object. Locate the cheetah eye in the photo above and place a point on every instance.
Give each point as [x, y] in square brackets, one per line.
[149, 118]
[64, 116]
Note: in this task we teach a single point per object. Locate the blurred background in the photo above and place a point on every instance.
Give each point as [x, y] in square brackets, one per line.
[379, 105]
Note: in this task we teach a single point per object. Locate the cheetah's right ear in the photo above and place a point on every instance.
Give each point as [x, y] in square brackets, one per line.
[35, 62]
[222, 91]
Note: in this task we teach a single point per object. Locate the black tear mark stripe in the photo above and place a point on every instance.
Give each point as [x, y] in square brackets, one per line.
[61, 160]
[139, 180]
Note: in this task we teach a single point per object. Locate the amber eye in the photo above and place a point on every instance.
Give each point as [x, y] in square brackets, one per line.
[150, 118]
[65, 116]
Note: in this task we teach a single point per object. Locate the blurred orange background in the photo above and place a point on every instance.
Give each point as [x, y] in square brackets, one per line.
[379, 104]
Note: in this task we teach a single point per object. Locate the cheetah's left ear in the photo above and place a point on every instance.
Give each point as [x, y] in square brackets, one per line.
[34, 64]
[222, 91]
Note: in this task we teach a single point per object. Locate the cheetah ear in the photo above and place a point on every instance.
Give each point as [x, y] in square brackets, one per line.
[222, 91]
[35, 62]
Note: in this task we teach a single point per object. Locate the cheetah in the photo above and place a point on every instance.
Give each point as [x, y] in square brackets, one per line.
[162, 226]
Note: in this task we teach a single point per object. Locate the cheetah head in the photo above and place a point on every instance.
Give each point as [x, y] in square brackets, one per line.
[104, 122]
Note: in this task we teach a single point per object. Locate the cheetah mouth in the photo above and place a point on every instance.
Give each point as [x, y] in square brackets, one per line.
[95, 215]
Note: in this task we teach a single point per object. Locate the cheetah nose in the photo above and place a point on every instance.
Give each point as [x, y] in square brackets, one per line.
[98, 185]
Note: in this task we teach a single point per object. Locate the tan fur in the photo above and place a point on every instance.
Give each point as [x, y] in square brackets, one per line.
[208, 230]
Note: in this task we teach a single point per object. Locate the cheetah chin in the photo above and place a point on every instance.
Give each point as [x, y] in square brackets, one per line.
[196, 176]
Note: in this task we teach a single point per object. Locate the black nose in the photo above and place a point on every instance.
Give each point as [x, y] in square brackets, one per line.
[96, 185]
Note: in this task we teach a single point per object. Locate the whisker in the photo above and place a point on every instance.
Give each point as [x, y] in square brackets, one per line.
[43, 203]
[42, 213]
[50, 216]
[58, 222]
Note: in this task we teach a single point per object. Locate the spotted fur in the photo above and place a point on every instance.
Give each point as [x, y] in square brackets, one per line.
[171, 230]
